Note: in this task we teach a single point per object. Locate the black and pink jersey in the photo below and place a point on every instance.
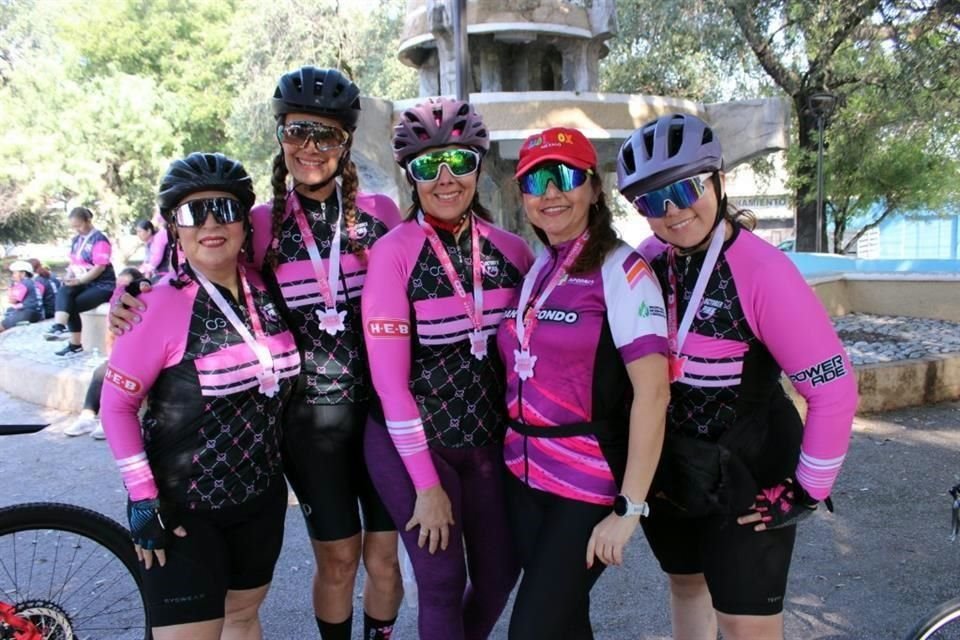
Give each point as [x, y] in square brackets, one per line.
[89, 251]
[210, 438]
[334, 366]
[588, 329]
[757, 305]
[26, 294]
[433, 390]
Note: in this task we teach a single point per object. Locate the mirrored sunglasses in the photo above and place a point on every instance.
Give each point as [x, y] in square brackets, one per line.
[565, 177]
[224, 210]
[299, 133]
[459, 162]
[682, 194]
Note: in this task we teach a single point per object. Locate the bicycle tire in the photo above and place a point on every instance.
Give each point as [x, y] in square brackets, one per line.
[73, 572]
[943, 623]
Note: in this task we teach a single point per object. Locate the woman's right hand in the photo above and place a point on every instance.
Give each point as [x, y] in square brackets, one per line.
[434, 515]
[125, 312]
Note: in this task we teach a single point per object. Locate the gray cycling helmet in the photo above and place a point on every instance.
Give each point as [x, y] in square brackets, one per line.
[437, 123]
[204, 172]
[322, 92]
[670, 148]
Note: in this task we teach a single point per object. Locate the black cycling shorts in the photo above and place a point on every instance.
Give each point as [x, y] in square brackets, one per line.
[323, 461]
[746, 570]
[226, 549]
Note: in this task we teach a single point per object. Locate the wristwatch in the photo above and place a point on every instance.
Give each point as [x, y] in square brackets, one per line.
[623, 506]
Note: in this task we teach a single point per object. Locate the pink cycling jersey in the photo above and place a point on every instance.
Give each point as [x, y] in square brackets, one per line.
[208, 437]
[93, 250]
[587, 330]
[433, 390]
[756, 302]
[334, 366]
[26, 294]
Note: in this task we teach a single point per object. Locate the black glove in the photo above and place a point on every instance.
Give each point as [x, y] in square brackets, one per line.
[148, 528]
[786, 504]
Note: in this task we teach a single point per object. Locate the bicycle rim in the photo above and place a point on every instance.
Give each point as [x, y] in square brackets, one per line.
[72, 572]
[942, 624]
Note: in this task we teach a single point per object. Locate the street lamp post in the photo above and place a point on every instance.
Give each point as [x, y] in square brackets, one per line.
[821, 105]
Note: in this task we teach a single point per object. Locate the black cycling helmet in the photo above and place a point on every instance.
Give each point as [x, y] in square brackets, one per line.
[204, 172]
[672, 147]
[322, 92]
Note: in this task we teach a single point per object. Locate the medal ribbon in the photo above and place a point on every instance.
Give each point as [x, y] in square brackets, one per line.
[474, 313]
[329, 282]
[677, 336]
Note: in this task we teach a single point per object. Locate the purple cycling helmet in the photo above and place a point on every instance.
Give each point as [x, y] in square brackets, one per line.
[437, 123]
[670, 148]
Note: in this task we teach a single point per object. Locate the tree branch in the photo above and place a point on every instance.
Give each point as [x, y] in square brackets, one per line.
[851, 22]
[876, 223]
[782, 75]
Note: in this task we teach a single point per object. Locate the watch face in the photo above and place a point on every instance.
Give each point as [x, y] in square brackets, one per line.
[620, 506]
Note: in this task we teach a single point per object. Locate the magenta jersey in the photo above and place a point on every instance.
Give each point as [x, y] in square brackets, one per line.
[26, 294]
[93, 250]
[759, 316]
[208, 437]
[334, 366]
[434, 392]
[588, 329]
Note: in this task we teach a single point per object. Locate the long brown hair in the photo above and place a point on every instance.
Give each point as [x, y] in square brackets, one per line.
[350, 183]
[603, 236]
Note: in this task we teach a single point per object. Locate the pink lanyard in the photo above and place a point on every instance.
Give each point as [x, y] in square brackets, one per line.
[330, 319]
[677, 336]
[526, 321]
[258, 341]
[478, 342]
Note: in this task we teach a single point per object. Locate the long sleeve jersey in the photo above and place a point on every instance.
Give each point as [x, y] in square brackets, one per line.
[434, 392]
[26, 294]
[588, 329]
[89, 251]
[758, 316]
[209, 438]
[334, 366]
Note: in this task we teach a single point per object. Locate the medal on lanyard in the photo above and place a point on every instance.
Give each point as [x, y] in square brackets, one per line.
[478, 341]
[526, 320]
[677, 336]
[267, 376]
[331, 320]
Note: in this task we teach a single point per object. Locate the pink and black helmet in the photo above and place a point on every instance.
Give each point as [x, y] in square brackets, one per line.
[672, 147]
[438, 122]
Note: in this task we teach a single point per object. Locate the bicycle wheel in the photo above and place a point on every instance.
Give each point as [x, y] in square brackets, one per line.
[943, 623]
[72, 572]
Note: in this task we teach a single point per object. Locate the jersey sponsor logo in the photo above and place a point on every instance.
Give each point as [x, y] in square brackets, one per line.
[126, 383]
[491, 268]
[583, 282]
[548, 315]
[360, 230]
[822, 372]
[708, 308]
[388, 328]
[270, 311]
[651, 311]
[635, 270]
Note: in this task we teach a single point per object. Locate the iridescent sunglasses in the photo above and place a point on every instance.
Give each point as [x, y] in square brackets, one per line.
[565, 177]
[459, 162]
[682, 194]
[300, 132]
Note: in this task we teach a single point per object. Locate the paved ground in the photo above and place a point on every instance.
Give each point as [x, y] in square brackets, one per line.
[866, 572]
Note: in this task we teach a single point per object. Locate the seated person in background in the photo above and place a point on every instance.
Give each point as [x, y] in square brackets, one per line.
[88, 421]
[25, 297]
[156, 249]
[48, 283]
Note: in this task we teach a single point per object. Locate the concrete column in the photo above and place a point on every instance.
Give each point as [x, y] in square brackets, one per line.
[491, 72]
[429, 73]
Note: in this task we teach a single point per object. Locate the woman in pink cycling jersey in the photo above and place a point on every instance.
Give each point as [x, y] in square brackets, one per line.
[438, 286]
[739, 468]
[214, 363]
[585, 350]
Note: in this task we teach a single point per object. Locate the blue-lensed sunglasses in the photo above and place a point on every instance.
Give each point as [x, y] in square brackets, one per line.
[681, 194]
[565, 177]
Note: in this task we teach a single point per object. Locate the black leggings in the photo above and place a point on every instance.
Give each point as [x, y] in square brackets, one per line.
[79, 298]
[91, 401]
[14, 317]
[551, 534]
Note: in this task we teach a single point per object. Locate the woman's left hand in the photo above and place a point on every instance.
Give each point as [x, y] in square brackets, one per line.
[609, 538]
[71, 282]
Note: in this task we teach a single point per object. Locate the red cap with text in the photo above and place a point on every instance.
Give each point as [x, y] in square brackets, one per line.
[559, 144]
